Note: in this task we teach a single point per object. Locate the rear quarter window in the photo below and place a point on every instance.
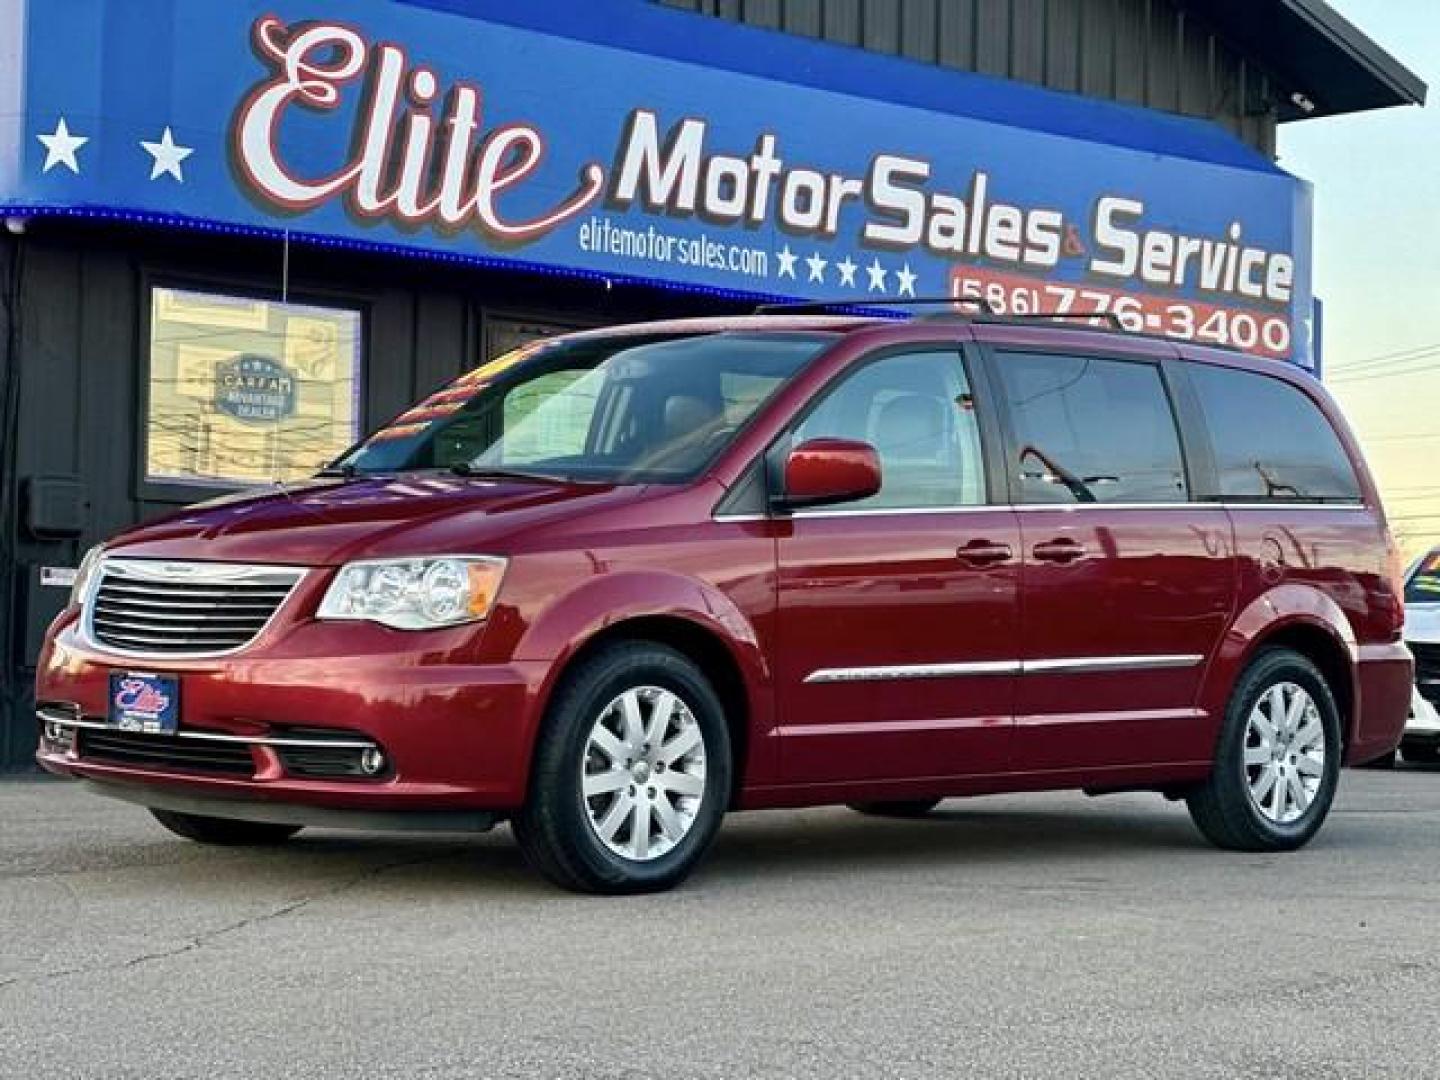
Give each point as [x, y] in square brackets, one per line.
[1271, 441]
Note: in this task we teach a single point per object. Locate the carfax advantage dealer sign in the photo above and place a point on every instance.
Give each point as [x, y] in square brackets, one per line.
[397, 125]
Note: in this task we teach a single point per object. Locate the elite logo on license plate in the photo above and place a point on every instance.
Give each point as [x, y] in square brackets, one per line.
[144, 702]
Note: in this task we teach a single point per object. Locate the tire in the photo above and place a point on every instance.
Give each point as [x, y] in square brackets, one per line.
[642, 828]
[912, 808]
[1421, 753]
[224, 832]
[1229, 808]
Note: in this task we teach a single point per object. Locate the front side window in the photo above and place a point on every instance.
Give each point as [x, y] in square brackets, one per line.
[244, 391]
[607, 409]
[917, 411]
[1090, 430]
[1272, 443]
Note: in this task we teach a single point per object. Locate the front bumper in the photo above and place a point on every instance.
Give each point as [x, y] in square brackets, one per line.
[281, 813]
[455, 735]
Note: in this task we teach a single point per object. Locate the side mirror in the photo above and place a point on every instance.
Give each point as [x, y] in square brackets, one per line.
[821, 472]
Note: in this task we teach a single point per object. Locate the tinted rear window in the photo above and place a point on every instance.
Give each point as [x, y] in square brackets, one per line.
[1272, 443]
[1091, 430]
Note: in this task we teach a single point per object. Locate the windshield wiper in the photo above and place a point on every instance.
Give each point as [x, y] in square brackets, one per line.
[348, 471]
[488, 472]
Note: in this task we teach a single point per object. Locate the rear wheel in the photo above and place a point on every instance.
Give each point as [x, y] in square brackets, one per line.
[632, 774]
[1277, 764]
[900, 808]
[224, 831]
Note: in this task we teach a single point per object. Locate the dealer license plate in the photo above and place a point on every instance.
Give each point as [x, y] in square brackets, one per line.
[140, 701]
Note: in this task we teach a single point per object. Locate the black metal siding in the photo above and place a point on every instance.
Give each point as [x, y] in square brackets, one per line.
[1143, 52]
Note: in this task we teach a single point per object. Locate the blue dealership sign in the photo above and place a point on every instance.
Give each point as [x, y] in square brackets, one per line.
[403, 125]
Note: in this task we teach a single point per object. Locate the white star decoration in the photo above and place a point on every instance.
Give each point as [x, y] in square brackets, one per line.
[906, 277]
[61, 147]
[787, 262]
[168, 155]
[877, 274]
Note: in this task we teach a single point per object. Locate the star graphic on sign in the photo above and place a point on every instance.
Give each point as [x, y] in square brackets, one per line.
[906, 277]
[817, 266]
[847, 271]
[787, 262]
[168, 155]
[61, 146]
[877, 276]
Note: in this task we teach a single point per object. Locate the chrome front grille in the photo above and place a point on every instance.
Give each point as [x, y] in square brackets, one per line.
[168, 608]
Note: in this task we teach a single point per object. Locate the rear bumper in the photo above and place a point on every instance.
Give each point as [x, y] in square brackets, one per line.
[456, 736]
[1386, 681]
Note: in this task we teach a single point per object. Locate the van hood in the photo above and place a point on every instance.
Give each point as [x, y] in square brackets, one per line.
[329, 521]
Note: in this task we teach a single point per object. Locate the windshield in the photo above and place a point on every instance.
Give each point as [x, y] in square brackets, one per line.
[608, 410]
[1424, 584]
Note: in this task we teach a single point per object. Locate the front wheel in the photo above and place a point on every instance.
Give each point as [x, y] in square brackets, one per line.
[632, 774]
[224, 832]
[1277, 763]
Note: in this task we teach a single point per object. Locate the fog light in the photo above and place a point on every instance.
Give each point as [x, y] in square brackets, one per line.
[372, 761]
[60, 736]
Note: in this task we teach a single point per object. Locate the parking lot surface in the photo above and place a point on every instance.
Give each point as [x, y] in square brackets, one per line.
[1018, 936]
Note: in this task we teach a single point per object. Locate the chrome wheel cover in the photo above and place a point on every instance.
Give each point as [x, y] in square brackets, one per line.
[642, 777]
[1285, 752]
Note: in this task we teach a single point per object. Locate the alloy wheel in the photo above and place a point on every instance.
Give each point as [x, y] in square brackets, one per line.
[1285, 751]
[642, 777]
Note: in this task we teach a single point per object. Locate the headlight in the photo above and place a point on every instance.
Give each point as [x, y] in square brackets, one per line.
[415, 594]
[83, 575]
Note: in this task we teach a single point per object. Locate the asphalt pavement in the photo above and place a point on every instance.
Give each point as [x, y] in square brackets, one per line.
[1016, 936]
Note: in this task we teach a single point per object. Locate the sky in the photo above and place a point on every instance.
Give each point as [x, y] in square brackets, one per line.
[1377, 266]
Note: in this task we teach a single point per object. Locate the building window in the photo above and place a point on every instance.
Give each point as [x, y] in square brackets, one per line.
[245, 391]
[506, 335]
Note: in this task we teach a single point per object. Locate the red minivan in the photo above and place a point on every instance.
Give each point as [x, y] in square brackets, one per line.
[611, 586]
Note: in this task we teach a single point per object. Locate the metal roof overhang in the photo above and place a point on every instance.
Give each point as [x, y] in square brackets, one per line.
[1317, 51]
[1314, 50]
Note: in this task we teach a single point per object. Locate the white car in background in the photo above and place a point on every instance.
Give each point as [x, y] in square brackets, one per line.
[1421, 741]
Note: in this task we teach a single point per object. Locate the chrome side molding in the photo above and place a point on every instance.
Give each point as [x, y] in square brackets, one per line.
[1079, 664]
[914, 671]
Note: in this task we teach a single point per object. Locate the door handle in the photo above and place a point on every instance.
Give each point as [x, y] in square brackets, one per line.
[983, 553]
[1059, 550]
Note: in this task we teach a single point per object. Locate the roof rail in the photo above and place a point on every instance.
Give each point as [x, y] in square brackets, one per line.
[1109, 317]
[851, 304]
[986, 313]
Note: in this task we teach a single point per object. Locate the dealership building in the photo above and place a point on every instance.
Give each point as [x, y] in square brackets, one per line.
[238, 235]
